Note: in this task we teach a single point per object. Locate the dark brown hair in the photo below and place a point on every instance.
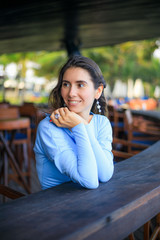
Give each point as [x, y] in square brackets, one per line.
[55, 98]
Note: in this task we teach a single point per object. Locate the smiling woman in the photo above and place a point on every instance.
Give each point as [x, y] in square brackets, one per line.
[73, 142]
[78, 91]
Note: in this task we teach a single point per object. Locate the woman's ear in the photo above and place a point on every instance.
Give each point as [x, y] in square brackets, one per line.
[99, 92]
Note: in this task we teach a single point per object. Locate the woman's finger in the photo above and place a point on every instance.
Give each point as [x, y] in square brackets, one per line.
[55, 116]
[66, 110]
[61, 112]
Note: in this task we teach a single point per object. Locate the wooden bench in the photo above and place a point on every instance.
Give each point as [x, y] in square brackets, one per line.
[112, 212]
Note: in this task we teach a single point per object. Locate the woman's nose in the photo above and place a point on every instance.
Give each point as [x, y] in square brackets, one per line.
[72, 91]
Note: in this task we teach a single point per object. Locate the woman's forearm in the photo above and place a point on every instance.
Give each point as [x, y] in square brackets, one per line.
[103, 155]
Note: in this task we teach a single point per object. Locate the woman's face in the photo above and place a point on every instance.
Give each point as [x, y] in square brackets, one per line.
[78, 91]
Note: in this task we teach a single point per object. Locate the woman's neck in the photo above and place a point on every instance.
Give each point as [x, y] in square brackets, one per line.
[87, 117]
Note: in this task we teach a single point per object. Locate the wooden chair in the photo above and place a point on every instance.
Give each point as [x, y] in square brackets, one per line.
[15, 147]
[151, 231]
[9, 192]
[147, 125]
[137, 133]
[120, 149]
[29, 110]
[9, 113]
[116, 117]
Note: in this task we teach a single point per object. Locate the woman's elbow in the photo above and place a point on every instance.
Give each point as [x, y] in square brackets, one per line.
[105, 177]
[91, 184]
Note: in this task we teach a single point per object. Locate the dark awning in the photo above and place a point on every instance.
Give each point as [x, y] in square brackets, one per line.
[60, 24]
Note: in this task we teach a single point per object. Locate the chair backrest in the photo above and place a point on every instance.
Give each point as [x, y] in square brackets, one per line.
[116, 117]
[28, 110]
[137, 131]
[140, 124]
[122, 149]
[9, 113]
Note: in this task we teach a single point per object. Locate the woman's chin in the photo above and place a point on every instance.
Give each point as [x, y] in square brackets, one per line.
[73, 109]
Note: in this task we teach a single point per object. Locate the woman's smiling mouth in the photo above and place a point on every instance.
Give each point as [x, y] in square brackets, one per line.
[73, 101]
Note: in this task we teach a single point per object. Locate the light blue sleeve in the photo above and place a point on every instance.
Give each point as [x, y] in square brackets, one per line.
[79, 165]
[102, 146]
[75, 159]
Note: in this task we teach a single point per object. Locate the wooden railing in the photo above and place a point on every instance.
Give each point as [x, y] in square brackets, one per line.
[113, 211]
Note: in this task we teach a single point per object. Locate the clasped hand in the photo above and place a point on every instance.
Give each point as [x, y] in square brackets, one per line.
[66, 119]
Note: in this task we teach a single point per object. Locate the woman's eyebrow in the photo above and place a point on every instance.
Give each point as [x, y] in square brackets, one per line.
[81, 81]
[65, 81]
[78, 81]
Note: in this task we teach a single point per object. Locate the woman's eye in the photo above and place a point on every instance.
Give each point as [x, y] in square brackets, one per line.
[65, 84]
[80, 85]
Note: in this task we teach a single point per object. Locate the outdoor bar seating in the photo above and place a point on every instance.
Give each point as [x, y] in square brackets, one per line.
[138, 131]
[152, 115]
[133, 131]
[148, 122]
[15, 138]
[120, 149]
[30, 110]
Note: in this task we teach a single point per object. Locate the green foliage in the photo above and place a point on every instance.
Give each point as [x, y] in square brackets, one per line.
[128, 60]
[50, 63]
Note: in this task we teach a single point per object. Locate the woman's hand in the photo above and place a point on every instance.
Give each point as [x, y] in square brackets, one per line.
[66, 119]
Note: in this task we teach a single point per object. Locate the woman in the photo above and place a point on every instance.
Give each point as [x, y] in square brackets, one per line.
[73, 143]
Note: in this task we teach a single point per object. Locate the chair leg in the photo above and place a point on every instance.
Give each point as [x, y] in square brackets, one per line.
[131, 236]
[27, 163]
[5, 175]
[25, 156]
[146, 230]
[19, 155]
[29, 157]
[156, 234]
[5, 169]
[12, 158]
[158, 223]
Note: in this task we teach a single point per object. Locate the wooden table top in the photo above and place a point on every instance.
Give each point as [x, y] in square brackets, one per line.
[69, 211]
[150, 114]
[13, 124]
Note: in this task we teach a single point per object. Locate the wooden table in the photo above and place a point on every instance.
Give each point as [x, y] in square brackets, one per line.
[111, 212]
[13, 125]
[154, 115]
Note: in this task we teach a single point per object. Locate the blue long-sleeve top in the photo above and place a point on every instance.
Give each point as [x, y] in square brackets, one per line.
[82, 155]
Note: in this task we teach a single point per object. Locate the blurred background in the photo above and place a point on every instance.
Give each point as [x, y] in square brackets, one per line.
[122, 37]
[131, 71]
